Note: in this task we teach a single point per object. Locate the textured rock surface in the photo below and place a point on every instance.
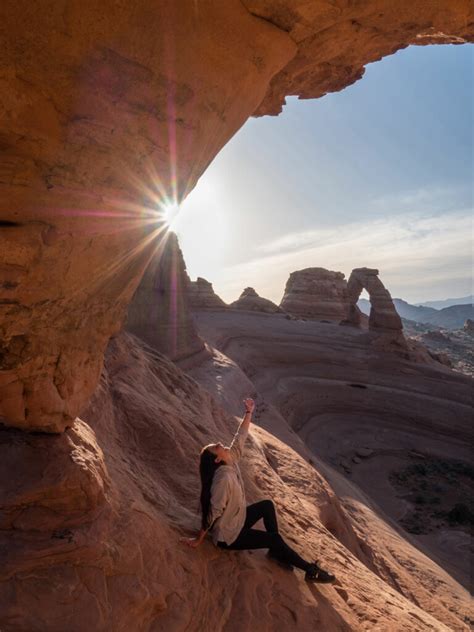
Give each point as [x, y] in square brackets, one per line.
[336, 40]
[340, 394]
[91, 520]
[250, 301]
[100, 103]
[202, 296]
[159, 312]
[316, 293]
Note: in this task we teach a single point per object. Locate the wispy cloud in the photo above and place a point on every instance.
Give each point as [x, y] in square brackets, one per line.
[430, 199]
[415, 254]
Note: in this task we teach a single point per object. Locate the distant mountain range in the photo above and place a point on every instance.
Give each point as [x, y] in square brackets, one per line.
[448, 302]
[451, 317]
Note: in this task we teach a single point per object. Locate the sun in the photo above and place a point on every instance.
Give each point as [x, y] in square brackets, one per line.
[169, 212]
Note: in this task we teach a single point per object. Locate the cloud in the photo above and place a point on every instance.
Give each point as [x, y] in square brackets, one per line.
[432, 199]
[412, 251]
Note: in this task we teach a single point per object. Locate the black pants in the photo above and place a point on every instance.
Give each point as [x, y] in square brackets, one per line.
[250, 538]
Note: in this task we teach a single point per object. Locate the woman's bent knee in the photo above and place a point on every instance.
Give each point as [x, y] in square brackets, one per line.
[275, 538]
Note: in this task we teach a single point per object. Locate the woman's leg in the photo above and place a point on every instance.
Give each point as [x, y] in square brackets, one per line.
[256, 539]
[264, 509]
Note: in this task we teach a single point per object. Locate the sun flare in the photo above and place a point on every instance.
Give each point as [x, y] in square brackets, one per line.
[169, 212]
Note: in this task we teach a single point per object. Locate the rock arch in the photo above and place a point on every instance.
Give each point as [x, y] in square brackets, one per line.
[102, 118]
[383, 315]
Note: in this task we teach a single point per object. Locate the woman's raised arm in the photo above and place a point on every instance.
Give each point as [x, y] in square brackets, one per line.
[237, 445]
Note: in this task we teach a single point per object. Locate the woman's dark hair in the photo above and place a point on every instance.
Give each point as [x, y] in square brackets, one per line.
[207, 469]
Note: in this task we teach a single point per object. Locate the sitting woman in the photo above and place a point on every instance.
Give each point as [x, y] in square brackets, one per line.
[224, 510]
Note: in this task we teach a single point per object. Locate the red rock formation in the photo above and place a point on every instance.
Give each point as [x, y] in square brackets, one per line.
[91, 519]
[158, 312]
[336, 40]
[316, 293]
[250, 301]
[108, 109]
[383, 315]
[202, 296]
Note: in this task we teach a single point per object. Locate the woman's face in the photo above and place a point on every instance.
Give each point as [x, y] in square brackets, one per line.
[220, 451]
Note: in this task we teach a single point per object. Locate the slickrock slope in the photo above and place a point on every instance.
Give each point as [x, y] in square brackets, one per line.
[158, 313]
[370, 415]
[92, 519]
[316, 293]
[201, 295]
[250, 301]
[109, 109]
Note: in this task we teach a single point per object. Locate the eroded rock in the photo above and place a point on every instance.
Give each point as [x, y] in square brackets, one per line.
[383, 315]
[316, 293]
[107, 110]
[250, 301]
[202, 296]
[159, 313]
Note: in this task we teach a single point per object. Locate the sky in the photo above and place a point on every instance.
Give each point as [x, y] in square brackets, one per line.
[378, 175]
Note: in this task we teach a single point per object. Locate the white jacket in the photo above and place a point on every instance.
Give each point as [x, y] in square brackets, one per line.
[228, 505]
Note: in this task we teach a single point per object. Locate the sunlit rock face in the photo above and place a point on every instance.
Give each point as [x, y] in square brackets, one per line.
[106, 111]
[336, 40]
[159, 312]
[111, 108]
[316, 293]
[202, 296]
[250, 301]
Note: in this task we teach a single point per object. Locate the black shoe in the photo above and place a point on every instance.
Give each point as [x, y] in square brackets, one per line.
[316, 574]
[285, 565]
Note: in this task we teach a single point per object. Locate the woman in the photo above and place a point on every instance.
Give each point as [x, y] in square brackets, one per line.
[224, 510]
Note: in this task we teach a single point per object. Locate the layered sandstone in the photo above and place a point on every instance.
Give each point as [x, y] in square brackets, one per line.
[316, 293]
[370, 414]
[89, 537]
[158, 312]
[109, 110]
[383, 315]
[250, 301]
[202, 296]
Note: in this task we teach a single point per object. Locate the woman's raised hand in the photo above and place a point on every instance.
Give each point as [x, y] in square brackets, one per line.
[249, 405]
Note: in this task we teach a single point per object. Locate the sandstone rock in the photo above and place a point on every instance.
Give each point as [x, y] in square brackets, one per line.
[316, 293]
[202, 296]
[99, 526]
[364, 452]
[335, 42]
[159, 312]
[436, 336]
[250, 301]
[469, 326]
[383, 315]
[99, 106]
